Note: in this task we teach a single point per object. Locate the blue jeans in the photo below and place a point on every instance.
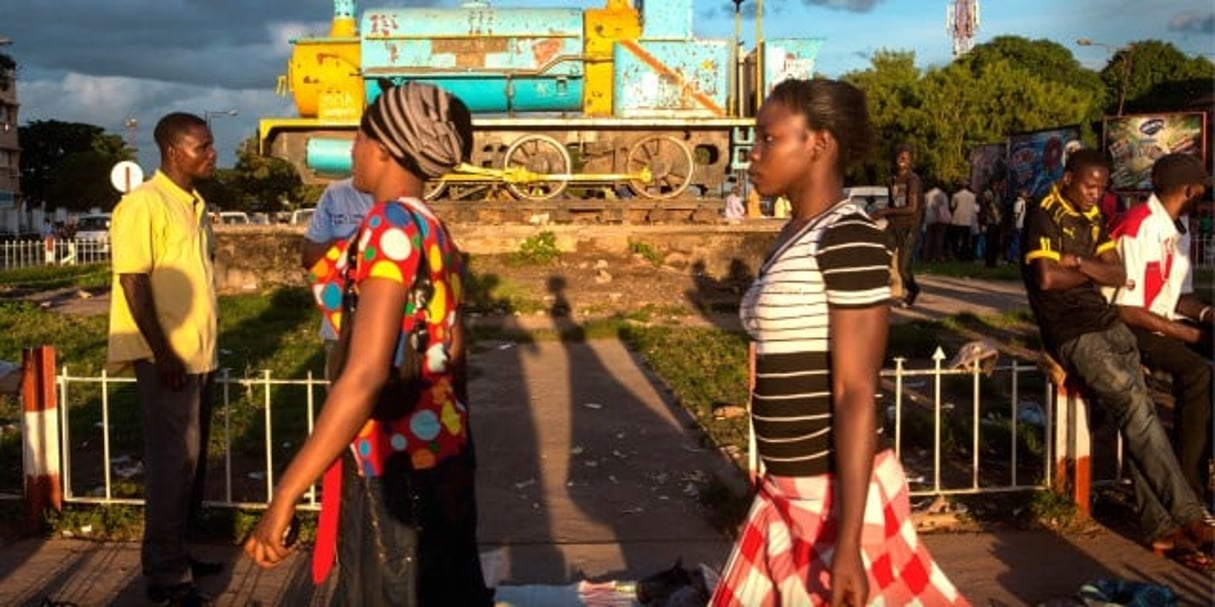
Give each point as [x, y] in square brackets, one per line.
[1108, 364]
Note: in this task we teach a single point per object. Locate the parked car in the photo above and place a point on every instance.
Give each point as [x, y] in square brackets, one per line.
[301, 217]
[873, 196]
[234, 218]
[93, 232]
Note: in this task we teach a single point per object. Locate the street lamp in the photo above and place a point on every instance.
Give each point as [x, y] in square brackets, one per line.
[220, 113]
[1126, 64]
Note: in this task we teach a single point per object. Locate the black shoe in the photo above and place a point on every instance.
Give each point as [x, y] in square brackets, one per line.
[201, 568]
[178, 595]
[912, 294]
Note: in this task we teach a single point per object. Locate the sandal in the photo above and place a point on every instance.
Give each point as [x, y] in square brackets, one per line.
[1202, 532]
[1192, 559]
[1165, 544]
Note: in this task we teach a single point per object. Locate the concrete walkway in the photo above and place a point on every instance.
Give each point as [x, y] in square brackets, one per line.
[587, 471]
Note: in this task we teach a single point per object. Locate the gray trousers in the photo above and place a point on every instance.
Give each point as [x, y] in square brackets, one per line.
[176, 428]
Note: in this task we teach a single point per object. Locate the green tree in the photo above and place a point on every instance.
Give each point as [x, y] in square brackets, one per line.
[893, 92]
[1046, 59]
[965, 106]
[262, 183]
[220, 191]
[1008, 85]
[67, 164]
[1157, 77]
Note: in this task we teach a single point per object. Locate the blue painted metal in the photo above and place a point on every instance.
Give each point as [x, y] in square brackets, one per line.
[343, 9]
[328, 155]
[786, 58]
[490, 94]
[687, 78]
[666, 19]
[496, 60]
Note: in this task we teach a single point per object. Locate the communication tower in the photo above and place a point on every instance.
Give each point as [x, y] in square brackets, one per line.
[132, 126]
[962, 21]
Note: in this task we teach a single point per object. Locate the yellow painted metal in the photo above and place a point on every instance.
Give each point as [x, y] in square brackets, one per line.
[324, 77]
[472, 173]
[618, 20]
[266, 127]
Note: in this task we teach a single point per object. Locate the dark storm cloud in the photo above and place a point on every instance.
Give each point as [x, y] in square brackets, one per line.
[217, 42]
[1193, 22]
[224, 43]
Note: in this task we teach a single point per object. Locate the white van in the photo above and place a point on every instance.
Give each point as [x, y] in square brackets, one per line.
[234, 218]
[873, 197]
[93, 231]
[301, 217]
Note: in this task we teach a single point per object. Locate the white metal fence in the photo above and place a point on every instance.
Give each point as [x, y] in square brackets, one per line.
[57, 251]
[993, 458]
[252, 392]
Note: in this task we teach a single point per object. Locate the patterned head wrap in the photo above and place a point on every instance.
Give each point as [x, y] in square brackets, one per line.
[426, 129]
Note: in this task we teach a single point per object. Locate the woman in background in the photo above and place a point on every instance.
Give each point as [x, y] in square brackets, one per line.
[831, 520]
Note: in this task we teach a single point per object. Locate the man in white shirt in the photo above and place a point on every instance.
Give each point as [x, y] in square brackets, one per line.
[1018, 211]
[338, 215]
[1172, 326]
[965, 210]
[734, 206]
[937, 218]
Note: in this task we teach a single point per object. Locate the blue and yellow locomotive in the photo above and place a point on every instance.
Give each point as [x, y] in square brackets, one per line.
[597, 98]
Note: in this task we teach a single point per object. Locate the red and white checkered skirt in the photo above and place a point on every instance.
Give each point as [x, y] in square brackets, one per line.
[783, 556]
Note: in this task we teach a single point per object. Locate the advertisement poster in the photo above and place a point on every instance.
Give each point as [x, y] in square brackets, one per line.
[1135, 142]
[987, 162]
[1035, 159]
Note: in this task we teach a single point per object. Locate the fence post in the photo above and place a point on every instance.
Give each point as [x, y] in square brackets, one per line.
[1073, 446]
[40, 433]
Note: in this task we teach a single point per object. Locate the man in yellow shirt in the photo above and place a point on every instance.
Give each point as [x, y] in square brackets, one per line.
[163, 324]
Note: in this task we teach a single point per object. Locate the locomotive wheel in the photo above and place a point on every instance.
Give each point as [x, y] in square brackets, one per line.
[538, 154]
[669, 161]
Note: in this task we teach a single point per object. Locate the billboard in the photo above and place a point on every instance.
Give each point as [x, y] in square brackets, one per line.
[1135, 142]
[1035, 159]
[987, 162]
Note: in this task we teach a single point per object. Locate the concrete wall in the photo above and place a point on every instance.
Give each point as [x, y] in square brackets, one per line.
[250, 258]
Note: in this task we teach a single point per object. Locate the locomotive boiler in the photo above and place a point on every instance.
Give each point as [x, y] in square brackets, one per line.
[567, 102]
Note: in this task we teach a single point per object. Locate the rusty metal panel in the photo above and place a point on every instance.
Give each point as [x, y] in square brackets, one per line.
[662, 78]
[481, 37]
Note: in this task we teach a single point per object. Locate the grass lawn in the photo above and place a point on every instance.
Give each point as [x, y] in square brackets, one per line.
[976, 269]
[54, 277]
[276, 331]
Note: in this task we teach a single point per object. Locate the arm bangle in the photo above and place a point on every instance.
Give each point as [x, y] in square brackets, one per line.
[1202, 316]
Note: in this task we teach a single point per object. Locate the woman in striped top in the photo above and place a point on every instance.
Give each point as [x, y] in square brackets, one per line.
[831, 519]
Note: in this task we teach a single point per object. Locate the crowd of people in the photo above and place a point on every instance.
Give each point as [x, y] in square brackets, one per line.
[830, 522]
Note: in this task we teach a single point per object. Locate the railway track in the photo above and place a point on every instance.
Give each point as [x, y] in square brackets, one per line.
[568, 211]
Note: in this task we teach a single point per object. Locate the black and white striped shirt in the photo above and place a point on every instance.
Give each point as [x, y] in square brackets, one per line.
[838, 260]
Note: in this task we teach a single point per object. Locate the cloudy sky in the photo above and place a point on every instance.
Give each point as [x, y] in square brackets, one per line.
[104, 61]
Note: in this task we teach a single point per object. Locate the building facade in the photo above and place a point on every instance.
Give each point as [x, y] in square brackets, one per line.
[10, 150]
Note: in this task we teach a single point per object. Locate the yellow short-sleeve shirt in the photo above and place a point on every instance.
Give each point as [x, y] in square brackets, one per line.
[163, 231]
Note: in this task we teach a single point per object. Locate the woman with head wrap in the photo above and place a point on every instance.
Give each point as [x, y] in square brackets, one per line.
[407, 522]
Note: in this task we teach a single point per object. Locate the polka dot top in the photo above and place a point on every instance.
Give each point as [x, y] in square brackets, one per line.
[389, 241]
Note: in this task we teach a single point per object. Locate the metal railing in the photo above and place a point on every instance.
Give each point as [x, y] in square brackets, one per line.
[945, 473]
[979, 413]
[257, 390]
[57, 251]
